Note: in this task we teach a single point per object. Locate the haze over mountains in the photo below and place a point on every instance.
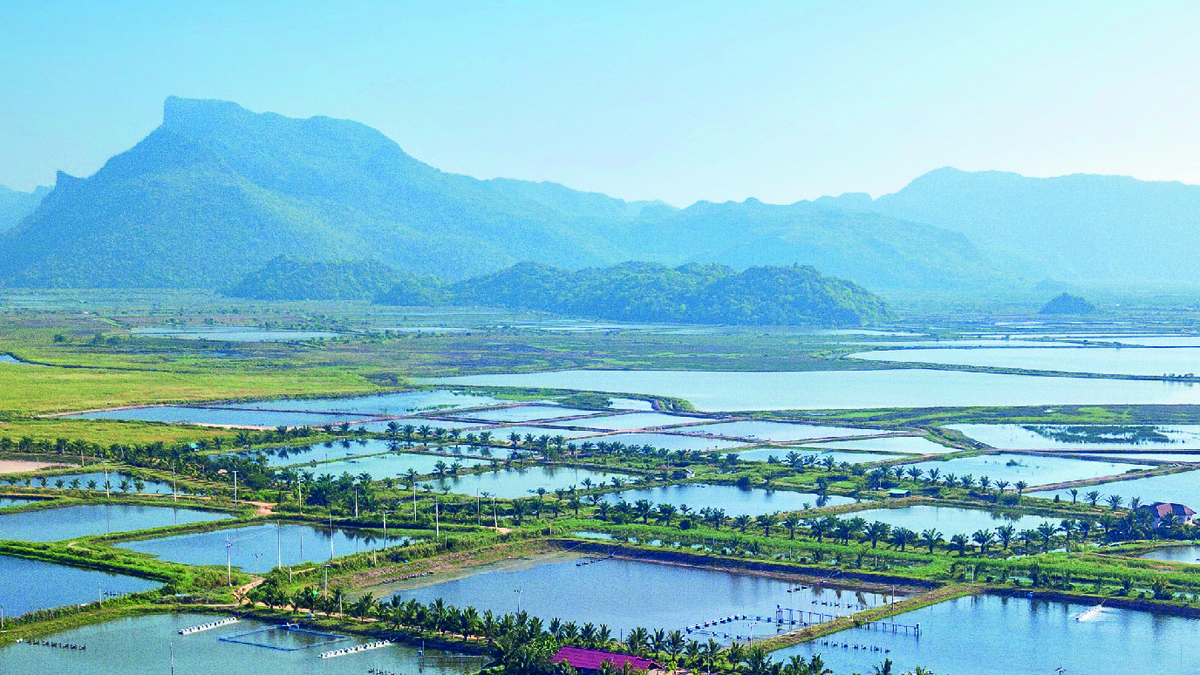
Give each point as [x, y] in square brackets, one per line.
[217, 191]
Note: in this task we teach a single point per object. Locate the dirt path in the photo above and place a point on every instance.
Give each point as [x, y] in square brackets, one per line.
[264, 508]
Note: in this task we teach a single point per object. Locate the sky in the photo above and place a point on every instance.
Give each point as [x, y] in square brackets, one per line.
[679, 101]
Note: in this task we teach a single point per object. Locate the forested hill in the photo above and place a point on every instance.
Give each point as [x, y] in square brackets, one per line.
[284, 278]
[217, 188]
[793, 295]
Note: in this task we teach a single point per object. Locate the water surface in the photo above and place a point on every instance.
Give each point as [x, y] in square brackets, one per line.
[514, 483]
[217, 416]
[781, 431]
[949, 520]
[259, 548]
[586, 594]
[1179, 554]
[901, 388]
[1182, 488]
[985, 635]
[915, 445]
[1034, 470]
[1100, 360]
[234, 334]
[525, 413]
[734, 500]
[665, 441]
[632, 421]
[114, 479]
[26, 585]
[392, 465]
[1105, 437]
[144, 644]
[397, 403]
[70, 522]
[762, 454]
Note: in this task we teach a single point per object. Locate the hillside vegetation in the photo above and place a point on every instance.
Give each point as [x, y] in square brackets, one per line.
[692, 293]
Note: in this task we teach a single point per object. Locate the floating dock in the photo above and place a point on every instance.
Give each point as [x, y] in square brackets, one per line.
[344, 651]
[207, 626]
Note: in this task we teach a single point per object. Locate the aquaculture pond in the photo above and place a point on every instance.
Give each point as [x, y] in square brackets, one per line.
[1182, 488]
[650, 595]
[259, 548]
[1179, 554]
[234, 334]
[665, 441]
[845, 389]
[781, 431]
[217, 416]
[13, 501]
[1033, 469]
[115, 479]
[146, 645]
[524, 413]
[514, 483]
[392, 464]
[502, 434]
[1090, 437]
[736, 501]
[70, 522]
[763, 454]
[26, 585]
[912, 445]
[321, 452]
[632, 421]
[399, 403]
[384, 426]
[987, 634]
[1098, 360]
[949, 520]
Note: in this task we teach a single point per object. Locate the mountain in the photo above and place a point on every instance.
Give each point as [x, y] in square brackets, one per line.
[15, 205]
[1082, 228]
[218, 189]
[692, 293]
[871, 249]
[285, 278]
[1067, 304]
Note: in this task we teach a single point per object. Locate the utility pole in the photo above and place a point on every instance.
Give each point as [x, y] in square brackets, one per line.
[356, 501]
[331, 533]
[437, 530]
[174, 498]
[279, 544]
[385, 530]
[235, 487]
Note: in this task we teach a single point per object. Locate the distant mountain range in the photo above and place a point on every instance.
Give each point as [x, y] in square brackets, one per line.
[15, 205]
[217, 191]
[1083, 228]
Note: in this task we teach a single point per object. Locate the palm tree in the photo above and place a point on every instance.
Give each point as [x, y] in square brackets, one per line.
[959, 543]
[902, 537]
[1006, 534]
[766, 522]
[791, 522]
[876, 531]
[642, 509]
[930, 538]
[1114, 501]
[1074, 494]
[742, 522]
[1092, 497]
[884, 668]
[1067, 526]
[984, 538]
[1020, 488]
[1046, 532]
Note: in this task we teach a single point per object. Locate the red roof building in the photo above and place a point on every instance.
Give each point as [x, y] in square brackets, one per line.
[589, 660]
[1160, 510]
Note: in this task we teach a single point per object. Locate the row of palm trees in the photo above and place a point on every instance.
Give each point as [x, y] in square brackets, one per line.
[500, 632]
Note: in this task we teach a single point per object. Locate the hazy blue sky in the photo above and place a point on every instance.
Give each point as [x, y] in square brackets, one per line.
[673, 100]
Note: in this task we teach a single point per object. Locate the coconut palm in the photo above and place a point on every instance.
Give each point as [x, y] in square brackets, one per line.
[930, 538]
